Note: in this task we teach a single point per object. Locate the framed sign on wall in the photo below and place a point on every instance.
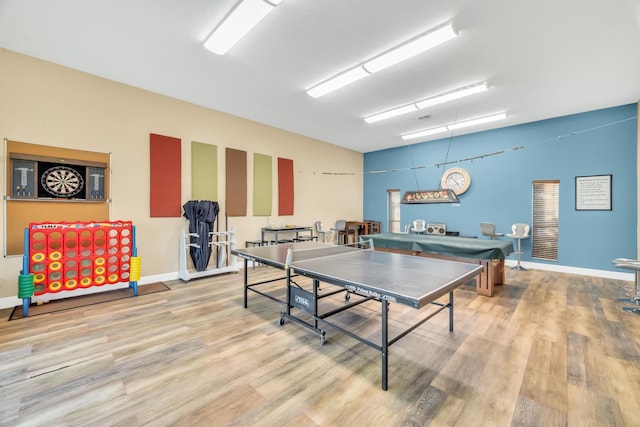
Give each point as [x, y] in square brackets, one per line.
[593, 193]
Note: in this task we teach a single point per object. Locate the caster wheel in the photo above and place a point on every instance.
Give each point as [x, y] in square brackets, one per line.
[347, 296]
[322, 339]
[281, 321]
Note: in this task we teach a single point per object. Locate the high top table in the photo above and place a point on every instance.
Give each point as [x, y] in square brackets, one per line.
[285, 229]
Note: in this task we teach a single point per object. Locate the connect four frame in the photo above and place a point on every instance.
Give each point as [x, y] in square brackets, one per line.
[66, 256]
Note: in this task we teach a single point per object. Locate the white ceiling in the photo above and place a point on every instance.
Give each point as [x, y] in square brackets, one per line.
[543, 59]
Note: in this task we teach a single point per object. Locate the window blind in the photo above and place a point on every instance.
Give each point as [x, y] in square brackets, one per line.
[546, 196]
[394, 210]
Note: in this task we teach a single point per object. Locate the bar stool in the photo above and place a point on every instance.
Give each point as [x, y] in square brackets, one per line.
[520, 231]
[489, 230]
[419, 226]
[320, 231]
[630, 264]
[342, 230]
[282, 241]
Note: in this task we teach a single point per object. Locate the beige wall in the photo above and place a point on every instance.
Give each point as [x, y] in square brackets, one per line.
[47, 104]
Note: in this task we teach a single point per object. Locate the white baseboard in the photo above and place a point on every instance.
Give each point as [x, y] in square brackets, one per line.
[8, 302]
[574, 270]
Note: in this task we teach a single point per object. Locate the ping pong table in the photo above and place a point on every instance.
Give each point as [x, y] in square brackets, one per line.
[366, 275]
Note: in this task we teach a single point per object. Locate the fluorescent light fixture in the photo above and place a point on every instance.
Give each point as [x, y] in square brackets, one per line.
[338, 81]
[450, 96]
[478, 121]
[426, 132]
[418, 105]
[411, 48]
[454, 126]
[239, 22]
[398, 54]
[391, 113]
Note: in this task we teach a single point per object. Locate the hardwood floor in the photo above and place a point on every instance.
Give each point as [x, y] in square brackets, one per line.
[546, 350]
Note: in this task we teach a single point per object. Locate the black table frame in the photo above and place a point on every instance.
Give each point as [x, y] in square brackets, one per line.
[349, 289]
[385, 341]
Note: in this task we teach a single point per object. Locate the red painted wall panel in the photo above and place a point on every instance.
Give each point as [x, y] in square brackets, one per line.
[165, 176]
[285, 186]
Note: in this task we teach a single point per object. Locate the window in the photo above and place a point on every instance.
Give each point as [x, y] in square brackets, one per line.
[545, 219]
[394, 210]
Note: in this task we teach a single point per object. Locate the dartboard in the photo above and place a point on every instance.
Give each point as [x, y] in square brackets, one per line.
[62, 181]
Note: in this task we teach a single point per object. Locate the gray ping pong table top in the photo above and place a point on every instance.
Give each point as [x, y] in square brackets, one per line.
[410, 280]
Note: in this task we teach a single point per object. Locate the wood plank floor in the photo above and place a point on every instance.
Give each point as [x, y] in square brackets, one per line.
[547, 350]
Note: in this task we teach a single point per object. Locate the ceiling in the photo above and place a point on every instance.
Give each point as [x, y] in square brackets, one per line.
[542, 59]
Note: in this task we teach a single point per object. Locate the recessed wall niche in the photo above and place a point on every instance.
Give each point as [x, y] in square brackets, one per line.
[45, 183]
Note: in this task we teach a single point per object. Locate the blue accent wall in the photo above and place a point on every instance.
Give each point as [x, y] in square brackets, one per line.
[599, 142]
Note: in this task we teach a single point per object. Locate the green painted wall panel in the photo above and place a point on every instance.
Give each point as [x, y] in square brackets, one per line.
[204, 171]
[262, 185]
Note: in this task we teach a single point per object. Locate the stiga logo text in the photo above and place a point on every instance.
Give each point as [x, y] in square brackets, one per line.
[303, 301]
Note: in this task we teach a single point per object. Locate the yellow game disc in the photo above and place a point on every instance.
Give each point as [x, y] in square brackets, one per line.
[38, 278]
[99, 280]
[85, 282]
[113, 277]
[55, 286]
[70, 284]
[55, 255]
[37, 257]
[55, 266]
[99, 261]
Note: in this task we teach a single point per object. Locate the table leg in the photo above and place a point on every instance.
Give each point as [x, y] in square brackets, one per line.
[636, 297]
[498, 271]
[288, 297]
[451, 311]
[316, 285]
[384, 347]
[484, 282]
[246, 281]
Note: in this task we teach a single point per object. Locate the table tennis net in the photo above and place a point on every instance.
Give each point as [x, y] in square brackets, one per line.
[306, 253]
